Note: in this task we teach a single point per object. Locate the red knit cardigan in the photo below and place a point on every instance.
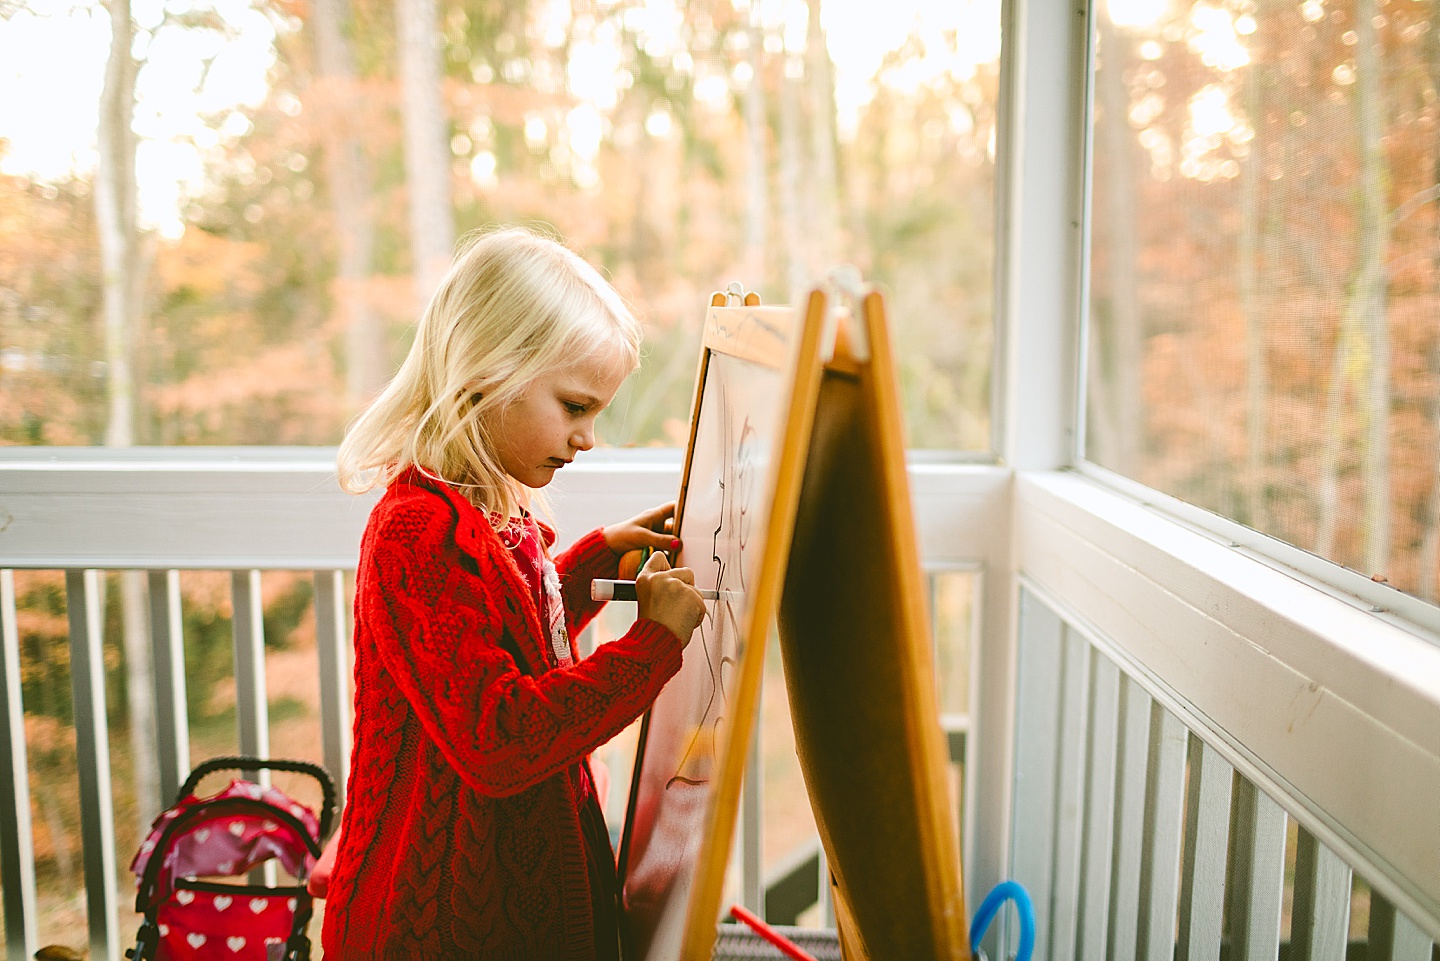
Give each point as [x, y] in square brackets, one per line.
[461, 833]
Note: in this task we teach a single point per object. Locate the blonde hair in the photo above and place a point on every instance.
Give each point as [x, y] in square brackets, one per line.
[514, 306]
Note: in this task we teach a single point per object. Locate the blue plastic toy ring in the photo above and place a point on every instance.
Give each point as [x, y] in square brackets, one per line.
[1006, 891]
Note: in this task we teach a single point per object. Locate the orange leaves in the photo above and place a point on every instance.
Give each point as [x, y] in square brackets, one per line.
[208, 265]
[302, 370]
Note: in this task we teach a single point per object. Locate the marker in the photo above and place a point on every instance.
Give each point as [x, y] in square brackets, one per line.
[605, 590]
[787, 947]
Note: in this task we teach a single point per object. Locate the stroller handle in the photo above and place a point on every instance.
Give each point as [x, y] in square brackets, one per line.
[241, 762]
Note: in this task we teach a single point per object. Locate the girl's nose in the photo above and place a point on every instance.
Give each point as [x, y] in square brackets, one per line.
[583, 439]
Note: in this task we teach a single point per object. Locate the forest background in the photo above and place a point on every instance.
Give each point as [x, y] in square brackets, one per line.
[1263, 261]
[242, 264]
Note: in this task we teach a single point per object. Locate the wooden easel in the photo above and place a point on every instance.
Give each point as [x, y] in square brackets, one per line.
[838, 565]
[690, 759]
[855, 642]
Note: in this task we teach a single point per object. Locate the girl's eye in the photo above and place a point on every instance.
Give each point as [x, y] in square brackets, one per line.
[574, 408]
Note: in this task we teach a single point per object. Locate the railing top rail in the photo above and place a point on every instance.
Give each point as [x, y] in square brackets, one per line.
[239, 507]
[229, 508]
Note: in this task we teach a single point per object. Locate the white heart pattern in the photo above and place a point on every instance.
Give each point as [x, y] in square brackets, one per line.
[195, 939]
[235, 943]
[254, 790]
[223, 901]
[290, 903]
[297, 810]
[258, 905]
[202, 835]
[237, 828]
[269, 825]
[225, 867]
[164, 930]
[184, 896]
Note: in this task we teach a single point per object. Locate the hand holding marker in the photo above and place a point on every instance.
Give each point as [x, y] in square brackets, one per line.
[623, 589]
[665, 595]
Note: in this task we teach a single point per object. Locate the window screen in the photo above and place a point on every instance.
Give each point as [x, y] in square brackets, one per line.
[1264, 272]
[678, 145]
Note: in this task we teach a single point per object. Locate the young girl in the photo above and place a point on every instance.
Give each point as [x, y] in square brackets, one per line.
[472, 827]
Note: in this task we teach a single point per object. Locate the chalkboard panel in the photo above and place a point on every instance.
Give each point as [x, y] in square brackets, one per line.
[855, 644]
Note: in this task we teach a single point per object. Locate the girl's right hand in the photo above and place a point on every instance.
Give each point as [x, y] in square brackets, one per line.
[668, 596]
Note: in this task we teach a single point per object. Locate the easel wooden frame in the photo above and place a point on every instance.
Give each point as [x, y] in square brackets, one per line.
[855, 643]
[784, 477]
[841, 574]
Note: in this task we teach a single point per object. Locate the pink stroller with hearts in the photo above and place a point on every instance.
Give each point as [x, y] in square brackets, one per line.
[190, 918]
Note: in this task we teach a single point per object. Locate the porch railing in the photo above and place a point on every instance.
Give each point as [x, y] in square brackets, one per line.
[246, 511]
[1215, 756]
[1183, 750]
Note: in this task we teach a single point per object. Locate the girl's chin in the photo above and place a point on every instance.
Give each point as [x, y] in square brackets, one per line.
[521, 485]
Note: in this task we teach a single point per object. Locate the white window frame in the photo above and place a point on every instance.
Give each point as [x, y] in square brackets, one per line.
[1319, 685]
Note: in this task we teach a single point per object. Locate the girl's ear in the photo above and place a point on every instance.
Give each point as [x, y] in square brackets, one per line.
[474, 389]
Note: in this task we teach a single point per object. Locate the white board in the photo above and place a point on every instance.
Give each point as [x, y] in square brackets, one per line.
[725, 512]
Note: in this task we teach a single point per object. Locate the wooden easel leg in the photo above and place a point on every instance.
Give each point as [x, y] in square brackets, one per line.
[851, 948]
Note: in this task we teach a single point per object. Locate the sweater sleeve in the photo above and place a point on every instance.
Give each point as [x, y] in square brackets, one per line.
[440, 634]
[588, 558]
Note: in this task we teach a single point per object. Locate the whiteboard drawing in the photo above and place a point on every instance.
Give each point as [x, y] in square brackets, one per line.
[725, 512]
[719, 634]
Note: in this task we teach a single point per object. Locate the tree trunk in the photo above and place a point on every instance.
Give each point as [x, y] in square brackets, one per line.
[1332, 440]
[427, 148]
[115, 216]
[820, 74]
[349, 179]
[757, 201]
[1363, 329]
[1371, 287]
[1115, 360]
[123, 283]
[1428, 575]
[59, 840]
[801, 268]
[1256, 375]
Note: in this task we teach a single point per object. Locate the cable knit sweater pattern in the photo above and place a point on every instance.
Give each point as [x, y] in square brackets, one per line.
[462, 836]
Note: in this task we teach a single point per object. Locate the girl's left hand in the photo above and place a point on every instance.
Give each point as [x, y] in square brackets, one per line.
[650, 529]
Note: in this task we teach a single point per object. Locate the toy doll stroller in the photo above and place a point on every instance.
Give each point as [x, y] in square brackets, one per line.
[227, 834]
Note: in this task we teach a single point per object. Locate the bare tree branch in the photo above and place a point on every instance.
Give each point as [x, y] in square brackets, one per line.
[1414, 203]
